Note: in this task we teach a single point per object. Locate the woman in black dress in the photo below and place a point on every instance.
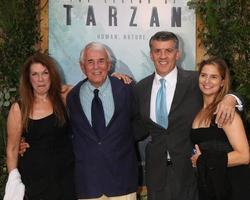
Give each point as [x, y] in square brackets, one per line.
[46, 169]
[222, 154]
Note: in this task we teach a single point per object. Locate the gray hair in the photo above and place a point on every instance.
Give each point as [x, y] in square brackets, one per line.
[95, 46]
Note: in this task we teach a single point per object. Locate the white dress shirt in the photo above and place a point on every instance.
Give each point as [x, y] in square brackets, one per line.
[171, 79]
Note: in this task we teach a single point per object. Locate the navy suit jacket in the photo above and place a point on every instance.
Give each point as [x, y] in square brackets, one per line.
[107, 166]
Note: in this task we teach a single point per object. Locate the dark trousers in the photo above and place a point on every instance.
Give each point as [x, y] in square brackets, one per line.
[168, 192]
[171, 191]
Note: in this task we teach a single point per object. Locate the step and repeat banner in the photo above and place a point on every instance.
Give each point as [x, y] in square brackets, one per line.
[125, 26]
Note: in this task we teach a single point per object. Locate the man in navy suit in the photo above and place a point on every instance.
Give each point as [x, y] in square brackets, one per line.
[105, 161]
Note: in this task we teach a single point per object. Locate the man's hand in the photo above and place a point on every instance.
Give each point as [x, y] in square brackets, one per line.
[126, 79]
[225, 111]
[23, 146]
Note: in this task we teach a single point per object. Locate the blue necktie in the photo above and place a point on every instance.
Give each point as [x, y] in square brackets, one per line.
[161, 105]
[97, 114]
[162, 112]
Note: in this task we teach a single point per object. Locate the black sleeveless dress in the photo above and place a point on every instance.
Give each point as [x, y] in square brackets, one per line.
[223, 183]
[47, 166]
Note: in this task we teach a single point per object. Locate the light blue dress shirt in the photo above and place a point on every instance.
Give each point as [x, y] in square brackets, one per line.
[106, 96]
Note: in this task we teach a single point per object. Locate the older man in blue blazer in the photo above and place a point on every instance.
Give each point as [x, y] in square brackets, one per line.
[106, 165]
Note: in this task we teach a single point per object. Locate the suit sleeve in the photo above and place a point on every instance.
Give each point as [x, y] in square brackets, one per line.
[139, 128]
[240, 101]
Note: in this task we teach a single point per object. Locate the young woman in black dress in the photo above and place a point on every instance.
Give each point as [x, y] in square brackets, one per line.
[222, 154]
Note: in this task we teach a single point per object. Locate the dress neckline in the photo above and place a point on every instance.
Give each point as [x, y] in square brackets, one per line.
[47, 116]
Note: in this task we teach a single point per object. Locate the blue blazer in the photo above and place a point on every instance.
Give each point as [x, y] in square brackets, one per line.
[107, 166]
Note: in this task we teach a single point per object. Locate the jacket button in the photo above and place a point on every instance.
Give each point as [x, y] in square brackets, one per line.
[99, 143]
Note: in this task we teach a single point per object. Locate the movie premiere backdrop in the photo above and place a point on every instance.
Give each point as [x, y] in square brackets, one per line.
[125, 26]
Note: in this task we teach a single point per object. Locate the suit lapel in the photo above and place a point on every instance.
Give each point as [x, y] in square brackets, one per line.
[85, 120]
[117, 96]
[180, 90]
[146, 96]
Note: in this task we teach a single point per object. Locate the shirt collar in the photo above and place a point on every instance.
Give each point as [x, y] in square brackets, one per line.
[102, 88]
[171, 77]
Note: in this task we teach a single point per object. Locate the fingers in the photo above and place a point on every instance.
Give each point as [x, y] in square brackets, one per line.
[220, 115]
[22, 140]
[198, 151]
[195, 156]
[126, 79]
[193, 160]
[232, 114]
[225, 111]
[23, 147]
[217, 114]
[224, 117]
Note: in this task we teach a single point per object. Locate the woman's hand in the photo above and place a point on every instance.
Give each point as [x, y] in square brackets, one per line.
[195, 156]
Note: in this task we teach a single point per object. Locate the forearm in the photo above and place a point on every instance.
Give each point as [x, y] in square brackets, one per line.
[236, 158]
[12, 157]
[236, 135]
[139, 132]
[139, 126]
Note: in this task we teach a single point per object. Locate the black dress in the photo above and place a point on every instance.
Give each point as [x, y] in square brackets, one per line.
[47, 166]
[216, 181]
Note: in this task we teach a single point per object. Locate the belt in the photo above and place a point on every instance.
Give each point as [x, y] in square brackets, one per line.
[169, 162]
[168, 157]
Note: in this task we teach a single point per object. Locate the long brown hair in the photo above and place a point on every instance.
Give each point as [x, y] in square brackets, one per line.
[26, 89]
[225, 75]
